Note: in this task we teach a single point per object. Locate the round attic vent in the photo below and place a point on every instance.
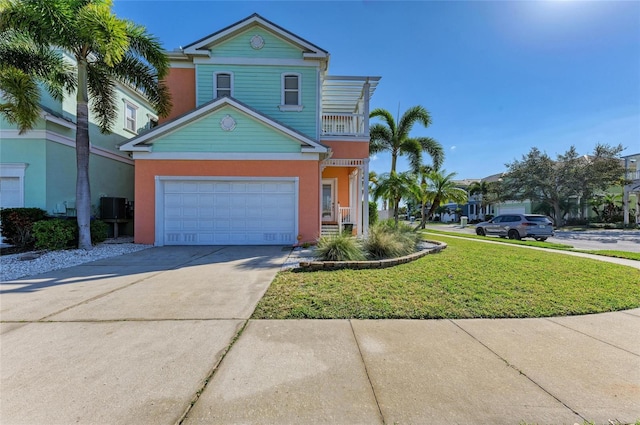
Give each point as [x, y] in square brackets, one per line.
[257, 42]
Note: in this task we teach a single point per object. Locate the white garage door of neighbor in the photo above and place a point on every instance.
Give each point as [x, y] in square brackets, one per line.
[233, 212]
[10, 192]
[512, 210]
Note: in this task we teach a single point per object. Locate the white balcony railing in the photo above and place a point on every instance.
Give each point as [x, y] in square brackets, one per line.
[633, 175]
[350, 125]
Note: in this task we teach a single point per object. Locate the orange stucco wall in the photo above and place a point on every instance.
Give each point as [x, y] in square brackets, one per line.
[350, 150]
[308, 195]
[182, 85]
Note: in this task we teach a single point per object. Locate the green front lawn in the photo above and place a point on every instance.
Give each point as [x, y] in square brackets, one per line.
[468, 279]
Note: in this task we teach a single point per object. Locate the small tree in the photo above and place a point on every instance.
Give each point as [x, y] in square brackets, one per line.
[395, 187]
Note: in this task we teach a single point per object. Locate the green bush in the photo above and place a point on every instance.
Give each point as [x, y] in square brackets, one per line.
[373, 213]
[339, 248]
[99, 231]
[16, 225]
[54, 234]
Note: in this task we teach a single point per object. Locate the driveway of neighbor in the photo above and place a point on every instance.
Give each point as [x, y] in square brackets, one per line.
[129, 339]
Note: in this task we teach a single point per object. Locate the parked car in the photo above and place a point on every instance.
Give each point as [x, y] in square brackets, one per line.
[517, 226]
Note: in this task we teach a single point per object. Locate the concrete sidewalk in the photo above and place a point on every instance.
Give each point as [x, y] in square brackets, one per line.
[163, 336]
[556, 371]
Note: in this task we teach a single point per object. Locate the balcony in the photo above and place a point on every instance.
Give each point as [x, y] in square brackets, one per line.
[633, 175]
[345, 106]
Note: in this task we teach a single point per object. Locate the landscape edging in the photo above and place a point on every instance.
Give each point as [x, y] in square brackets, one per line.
[373, 264]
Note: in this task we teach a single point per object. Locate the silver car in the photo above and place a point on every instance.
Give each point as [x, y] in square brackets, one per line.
[517, 226]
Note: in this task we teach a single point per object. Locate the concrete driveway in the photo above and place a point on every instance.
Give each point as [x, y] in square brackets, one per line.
[129, 339]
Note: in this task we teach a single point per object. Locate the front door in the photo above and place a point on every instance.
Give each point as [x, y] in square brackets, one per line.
[328, 200]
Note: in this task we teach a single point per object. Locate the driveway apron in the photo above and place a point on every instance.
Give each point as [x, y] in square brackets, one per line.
[130, 339]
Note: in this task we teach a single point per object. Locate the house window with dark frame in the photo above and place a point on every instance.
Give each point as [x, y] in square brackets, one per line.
[223, 83]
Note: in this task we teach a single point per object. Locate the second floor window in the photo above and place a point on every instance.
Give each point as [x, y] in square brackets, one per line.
[291, 89]
[223, 82]
[130, 111]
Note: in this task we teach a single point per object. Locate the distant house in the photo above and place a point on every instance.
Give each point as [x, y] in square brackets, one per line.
[264, 145]
[38, 168]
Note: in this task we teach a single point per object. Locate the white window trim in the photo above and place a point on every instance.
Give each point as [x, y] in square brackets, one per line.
[215, 82]
[288, 108]
[15, 170]
[128, 104]
[151, 117]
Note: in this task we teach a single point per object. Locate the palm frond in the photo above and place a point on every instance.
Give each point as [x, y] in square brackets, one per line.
[434, 149]
[106, 33]
[386, 116]
[144, 45]
[380, 138]
[410, 117]
[102, 94]
[20, 98]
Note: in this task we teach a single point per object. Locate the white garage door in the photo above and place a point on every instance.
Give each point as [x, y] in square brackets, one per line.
[10, 192]
[229, 212]
[511, 210]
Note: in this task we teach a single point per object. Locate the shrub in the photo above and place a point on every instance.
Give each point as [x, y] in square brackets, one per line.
[373, 213]
[54, 234]
[339, 248]
[16, 225]
[99, 231]
[387, 241]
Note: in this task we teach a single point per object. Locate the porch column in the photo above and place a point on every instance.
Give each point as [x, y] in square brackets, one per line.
[364, 205]
[625, 196]
[365, 89]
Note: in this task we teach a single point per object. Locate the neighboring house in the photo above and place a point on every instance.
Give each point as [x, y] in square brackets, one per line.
[263, 145]
[38, 168]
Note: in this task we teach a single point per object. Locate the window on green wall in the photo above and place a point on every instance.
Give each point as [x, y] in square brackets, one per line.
[223, 83]
[291, 92]
[130, 112]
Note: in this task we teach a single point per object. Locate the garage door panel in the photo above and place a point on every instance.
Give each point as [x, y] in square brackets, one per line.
[229, 212]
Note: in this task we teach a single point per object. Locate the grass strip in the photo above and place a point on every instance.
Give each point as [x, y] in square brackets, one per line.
[607, 253]
[467, 280]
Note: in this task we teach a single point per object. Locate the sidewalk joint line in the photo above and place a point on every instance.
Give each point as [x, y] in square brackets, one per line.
[211, 374]
[550, 319]
[366, 371]
[521, 372]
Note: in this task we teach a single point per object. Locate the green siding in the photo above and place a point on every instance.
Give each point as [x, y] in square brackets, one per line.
[260, 87]
[274, 47]
[31, 152]
[205, 135]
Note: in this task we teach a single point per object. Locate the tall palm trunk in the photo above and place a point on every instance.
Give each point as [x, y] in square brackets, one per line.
[83, 189]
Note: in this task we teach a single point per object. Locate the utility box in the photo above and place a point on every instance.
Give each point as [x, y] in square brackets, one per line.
[113, 208]
[464, 220]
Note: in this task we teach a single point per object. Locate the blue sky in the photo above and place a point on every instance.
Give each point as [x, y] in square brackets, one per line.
[497, 77]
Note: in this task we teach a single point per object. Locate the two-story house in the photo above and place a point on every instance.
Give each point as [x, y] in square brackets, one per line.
[38, 167]
[631, 189]
[263, 145]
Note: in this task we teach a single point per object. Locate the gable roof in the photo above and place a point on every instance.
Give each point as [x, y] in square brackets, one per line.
[202, 46]
[143, 142]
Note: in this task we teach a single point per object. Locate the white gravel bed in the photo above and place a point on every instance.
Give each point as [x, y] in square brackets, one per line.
[13, 267]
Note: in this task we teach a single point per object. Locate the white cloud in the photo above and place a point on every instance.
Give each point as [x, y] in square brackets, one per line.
[453, 148]
[374, 157]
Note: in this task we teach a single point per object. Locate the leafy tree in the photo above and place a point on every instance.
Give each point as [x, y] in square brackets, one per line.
[540, 179]
[395, 186]
[106, 50]
[394, 137]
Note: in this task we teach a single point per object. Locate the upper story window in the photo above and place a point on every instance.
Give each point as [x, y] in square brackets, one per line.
[130, 116]
[291, 92]
[223, 84]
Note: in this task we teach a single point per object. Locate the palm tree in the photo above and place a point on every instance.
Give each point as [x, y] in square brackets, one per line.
[106, 50]
[394, 187]
[481, 188]
[394, 138]
[442, 188]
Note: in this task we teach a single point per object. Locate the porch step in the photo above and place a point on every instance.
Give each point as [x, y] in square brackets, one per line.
[329, 230]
